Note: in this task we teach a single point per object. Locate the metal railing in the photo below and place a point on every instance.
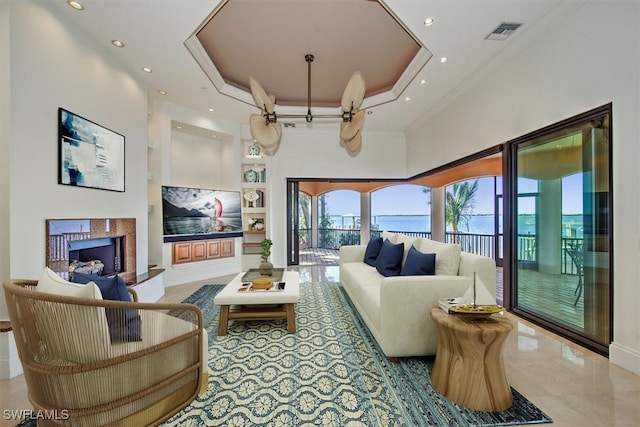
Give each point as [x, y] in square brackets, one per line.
[59, 244]
[482, 244]
[420, 234]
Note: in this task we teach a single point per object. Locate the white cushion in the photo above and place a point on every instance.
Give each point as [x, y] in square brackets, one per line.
[389, 235]
[447, 256]
[51, 283]
[408, 242]
[75, 333]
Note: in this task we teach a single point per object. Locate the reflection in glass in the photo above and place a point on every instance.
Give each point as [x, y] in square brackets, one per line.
[563, 235]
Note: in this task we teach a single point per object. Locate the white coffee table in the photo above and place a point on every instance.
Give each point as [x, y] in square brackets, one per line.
[259, 305]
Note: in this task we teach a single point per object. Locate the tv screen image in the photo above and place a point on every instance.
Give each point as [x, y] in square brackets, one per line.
[197, 213]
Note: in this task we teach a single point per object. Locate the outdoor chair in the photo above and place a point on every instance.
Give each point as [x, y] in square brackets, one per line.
[576, 254]
[86, 364]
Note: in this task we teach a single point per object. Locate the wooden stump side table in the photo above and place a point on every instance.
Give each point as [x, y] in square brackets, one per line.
[469, 369]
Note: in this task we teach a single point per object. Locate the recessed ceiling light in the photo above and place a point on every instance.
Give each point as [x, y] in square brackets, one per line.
[211, 109]
[213, 135]
[178, 127]
[423, 81]
[117, 43]
[428, 22]
[76, 5]
[162, 92]
[443, 59]
[147, 69]
[407, 98]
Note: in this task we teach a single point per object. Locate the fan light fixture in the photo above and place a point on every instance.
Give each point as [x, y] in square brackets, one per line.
[267, 131]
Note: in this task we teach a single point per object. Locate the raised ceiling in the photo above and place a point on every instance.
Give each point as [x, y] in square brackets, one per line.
[155, 33]
[270, 39]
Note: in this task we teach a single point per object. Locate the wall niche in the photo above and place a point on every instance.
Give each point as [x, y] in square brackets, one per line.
[65, 236]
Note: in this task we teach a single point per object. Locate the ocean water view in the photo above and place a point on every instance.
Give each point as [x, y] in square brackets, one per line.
[477, 224]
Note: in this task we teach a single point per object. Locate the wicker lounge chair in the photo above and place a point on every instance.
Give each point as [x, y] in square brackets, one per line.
[75, 369]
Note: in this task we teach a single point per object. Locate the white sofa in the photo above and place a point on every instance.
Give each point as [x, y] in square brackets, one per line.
[396, 309]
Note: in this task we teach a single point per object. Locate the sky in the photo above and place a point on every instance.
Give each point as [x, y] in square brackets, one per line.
[414, 202]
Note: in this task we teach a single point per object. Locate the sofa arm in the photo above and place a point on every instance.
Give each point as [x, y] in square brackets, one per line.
[405, 302]
[483, 266]
[352, 253]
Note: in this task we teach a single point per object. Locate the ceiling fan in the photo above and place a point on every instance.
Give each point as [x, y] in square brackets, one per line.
[267, 131]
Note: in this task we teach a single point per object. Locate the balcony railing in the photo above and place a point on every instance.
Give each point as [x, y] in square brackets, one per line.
[59, 244]
[482, 244]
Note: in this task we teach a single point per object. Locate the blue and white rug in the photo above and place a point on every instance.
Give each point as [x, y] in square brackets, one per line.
[331, 372]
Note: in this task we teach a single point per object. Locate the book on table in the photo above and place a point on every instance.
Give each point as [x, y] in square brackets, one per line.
[248, 287]
[447, 303]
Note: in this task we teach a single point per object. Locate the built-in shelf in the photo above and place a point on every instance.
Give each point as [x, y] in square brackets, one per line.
[254, 181]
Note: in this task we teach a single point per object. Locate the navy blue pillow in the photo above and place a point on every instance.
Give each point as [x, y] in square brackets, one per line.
[372, 251]
[419, 264]
[389, 261]
[124, 324]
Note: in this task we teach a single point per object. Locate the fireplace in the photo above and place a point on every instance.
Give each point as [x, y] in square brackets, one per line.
[101, 255]
[90, 242]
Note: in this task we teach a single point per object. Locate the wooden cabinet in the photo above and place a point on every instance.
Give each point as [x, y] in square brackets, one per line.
[198, 251]
[202, 250]
[181, 252]
[227, 248]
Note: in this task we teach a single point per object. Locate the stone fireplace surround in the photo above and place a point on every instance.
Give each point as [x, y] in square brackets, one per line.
[59, 232]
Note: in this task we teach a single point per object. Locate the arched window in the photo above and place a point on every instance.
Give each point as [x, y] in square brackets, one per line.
[404, 208]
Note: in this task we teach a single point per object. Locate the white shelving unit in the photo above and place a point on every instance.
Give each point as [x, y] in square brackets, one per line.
[255, 197]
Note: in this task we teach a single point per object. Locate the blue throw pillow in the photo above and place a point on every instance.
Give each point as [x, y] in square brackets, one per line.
[389, 261]
[124, 324]
[372, 251]
[419, 264]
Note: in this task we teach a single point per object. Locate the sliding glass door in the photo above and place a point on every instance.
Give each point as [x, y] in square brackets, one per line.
[293, 222]
[561, 262]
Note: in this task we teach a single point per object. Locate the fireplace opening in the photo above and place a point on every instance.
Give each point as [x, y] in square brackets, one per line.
[102, 256]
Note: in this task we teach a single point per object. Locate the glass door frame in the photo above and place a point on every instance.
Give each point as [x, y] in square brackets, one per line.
[510, 296]
[293, 222]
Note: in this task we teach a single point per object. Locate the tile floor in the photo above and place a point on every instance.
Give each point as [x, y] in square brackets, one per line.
[572, 385]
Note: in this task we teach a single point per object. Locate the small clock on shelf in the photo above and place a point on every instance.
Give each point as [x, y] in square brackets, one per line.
[253, 150]
[251, 196]
[251, 176]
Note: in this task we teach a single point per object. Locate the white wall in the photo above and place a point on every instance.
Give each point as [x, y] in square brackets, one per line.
[589, 59]
[303, 154]
[186, 160]
[195, 161]
[47, 64]
[5, 141]
[53, 65]
[9, 363]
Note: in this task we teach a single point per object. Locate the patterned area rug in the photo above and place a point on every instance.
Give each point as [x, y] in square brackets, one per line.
[331, 372]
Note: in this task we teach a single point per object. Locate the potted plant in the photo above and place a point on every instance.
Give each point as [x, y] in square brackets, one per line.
[266, 268]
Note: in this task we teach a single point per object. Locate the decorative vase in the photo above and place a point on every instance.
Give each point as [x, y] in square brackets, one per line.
[266, 268]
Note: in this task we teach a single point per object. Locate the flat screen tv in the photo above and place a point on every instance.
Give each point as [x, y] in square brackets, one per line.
[197, 213]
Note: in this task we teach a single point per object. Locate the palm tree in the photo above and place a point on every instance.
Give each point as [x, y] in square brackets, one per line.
[459, 204]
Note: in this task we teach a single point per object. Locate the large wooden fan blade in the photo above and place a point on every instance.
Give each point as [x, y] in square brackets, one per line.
[353, 95]
[260, 97]
[266, 134]
[349, 129]
[354, 144]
